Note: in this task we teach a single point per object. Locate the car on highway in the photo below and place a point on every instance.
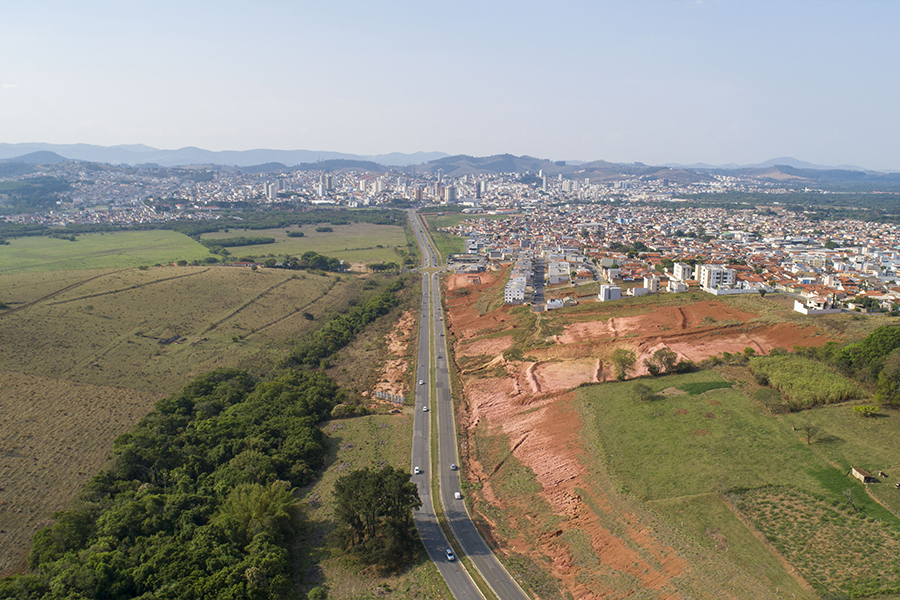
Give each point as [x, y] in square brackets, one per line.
[450, 555]
[424, 409]
[417, 470]
[453, 466]
[421, 382]
[457, 495]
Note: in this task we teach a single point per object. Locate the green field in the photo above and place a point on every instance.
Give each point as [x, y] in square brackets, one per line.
[356, 242]
[691, 456]
[121, 249]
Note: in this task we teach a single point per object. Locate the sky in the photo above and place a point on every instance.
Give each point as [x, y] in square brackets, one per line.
[655, 81]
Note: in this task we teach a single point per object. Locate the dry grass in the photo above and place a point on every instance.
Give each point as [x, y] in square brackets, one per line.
[54, 435]
[108, 327]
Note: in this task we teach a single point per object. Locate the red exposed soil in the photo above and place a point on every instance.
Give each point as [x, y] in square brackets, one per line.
[492, 346]
[530, 403]
[393, 377]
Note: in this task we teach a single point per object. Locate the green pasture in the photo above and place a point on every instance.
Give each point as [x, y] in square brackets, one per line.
[355, 242]
[683, 444]
[686, 454]
[708, 518]
[846, 439]
[121, 249]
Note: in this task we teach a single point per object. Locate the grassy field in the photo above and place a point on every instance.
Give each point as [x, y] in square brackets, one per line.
[122, 249]
[54, 434]
[685, 453]
[111, 327]
[355, 242]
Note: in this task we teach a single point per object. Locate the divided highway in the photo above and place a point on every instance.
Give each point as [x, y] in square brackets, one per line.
[434, 393]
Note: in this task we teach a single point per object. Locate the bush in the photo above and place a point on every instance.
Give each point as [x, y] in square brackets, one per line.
[865, 410]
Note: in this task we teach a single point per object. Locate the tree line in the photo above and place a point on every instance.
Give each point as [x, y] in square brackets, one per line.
[340, 331]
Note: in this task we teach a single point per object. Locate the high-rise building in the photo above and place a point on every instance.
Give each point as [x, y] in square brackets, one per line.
[450, 193]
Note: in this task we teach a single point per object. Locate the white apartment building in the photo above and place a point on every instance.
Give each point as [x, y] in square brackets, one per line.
[609, 292]
[681, 271]
[714, 276]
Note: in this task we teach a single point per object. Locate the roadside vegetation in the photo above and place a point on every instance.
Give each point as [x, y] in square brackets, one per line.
[251, 498]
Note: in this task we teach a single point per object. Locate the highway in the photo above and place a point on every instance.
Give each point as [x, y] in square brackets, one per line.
[435, 394]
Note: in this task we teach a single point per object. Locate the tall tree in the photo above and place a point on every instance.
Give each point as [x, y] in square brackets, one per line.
[373, 509]
[623, 360]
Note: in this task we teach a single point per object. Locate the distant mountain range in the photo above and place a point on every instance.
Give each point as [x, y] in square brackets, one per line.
[138, 154]
[18, 159]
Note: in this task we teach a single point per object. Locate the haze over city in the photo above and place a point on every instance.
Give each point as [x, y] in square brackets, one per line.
[658, 82]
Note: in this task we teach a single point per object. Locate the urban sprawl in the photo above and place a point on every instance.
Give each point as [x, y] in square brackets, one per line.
[558, 233]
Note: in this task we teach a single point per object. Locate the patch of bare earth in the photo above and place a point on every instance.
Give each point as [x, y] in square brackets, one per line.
[54, 436]
[632, 552]
[393, 378]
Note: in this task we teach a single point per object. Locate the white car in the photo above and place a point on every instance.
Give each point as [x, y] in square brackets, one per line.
[457, 495]
[417, 470]
[421, 382]
[424, 409]
[449, 553]
[453, 466]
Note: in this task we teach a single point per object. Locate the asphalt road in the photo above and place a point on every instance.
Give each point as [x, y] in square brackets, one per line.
[435, 393]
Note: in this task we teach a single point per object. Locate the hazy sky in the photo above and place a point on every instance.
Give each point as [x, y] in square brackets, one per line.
[659, 81]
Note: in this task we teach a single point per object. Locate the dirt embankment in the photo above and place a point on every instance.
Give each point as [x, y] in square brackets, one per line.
[629, 553]
[394, 378]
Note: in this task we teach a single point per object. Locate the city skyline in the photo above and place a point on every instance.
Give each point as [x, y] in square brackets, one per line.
[652, 81]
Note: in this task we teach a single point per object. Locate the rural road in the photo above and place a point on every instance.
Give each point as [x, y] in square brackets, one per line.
[435, 393]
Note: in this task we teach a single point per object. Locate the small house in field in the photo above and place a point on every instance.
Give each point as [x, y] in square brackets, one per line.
[863, 475]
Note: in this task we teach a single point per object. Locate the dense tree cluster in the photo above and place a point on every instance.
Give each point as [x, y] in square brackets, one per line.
[237, 241]
[314, 261]
[373, 509]
[198, 502]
